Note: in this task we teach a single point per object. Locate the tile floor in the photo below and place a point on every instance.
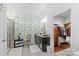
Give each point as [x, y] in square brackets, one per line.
[25, 51]
[68, 52]
[15, 52]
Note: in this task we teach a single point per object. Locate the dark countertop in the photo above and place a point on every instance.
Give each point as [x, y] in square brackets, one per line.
[43, 36]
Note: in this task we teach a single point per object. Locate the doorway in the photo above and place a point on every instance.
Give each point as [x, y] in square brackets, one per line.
[62, 31]
[10, 34]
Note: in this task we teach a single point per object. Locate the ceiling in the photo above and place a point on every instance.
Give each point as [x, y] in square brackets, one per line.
[22, 12]
[26, 8]
[64, 15]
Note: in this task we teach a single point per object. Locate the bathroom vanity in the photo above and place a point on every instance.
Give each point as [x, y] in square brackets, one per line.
[42, 41]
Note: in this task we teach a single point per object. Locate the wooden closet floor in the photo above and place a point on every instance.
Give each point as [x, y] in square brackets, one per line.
[63, 46]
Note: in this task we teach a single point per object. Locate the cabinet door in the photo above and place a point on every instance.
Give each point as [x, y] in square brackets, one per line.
[56, 34]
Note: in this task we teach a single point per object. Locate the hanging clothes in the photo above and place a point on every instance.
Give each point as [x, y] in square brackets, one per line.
[61, 32]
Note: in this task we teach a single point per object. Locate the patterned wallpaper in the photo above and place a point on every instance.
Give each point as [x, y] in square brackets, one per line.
[30, 27]
[25, 24]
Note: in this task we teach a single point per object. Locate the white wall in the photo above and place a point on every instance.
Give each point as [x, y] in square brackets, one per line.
[59, 21]
[3, 36]
[55, 9]
[75, 24]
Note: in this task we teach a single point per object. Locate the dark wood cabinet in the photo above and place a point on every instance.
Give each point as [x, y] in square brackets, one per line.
[56, 34]
[42, 42]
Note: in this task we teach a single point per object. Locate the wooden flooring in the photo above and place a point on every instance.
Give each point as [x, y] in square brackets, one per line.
[62, 47]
